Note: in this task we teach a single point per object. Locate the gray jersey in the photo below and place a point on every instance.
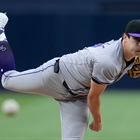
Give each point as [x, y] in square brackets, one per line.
[102, 62]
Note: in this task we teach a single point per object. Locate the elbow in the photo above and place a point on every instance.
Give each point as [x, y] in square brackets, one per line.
[90, 96]
[93, 97]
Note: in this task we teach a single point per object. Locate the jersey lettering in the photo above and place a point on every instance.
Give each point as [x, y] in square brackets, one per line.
[98, 45]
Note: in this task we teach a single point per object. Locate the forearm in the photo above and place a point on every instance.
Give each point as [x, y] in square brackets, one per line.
[93, 100]
[94, 106]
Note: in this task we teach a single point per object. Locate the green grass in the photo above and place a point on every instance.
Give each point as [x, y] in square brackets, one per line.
[39, 118]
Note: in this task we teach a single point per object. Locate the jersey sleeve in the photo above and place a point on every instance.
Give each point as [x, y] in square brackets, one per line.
[105, 70]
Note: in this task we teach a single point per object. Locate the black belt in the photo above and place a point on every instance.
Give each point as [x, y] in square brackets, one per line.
[68, 89]
[56, 70]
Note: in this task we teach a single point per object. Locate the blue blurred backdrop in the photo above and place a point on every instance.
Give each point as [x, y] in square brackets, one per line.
[39, 30]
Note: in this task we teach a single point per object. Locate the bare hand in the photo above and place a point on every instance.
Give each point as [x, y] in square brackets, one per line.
[96, 126]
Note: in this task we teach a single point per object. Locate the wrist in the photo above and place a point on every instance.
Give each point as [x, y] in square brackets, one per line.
[97, 119]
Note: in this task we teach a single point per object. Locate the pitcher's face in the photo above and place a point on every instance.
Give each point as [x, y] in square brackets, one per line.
[132, 45]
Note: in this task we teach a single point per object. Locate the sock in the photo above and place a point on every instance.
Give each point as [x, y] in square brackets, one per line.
[2, 35]
[7, 61]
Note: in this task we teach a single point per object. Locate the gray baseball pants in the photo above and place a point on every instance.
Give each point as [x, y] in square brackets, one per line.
[74, 111]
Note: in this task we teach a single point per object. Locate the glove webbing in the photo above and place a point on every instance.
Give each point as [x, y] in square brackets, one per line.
[132, 73]
[137, 61]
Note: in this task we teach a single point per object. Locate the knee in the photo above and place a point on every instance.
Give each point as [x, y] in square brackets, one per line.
[5, 80]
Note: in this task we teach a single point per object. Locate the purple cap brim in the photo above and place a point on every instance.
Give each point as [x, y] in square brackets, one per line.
[134, 34]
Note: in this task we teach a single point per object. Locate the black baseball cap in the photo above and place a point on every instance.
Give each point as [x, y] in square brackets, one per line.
[133, 28]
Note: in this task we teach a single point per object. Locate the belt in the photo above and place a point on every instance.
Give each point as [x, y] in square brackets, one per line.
[56, 70]
[68, 89]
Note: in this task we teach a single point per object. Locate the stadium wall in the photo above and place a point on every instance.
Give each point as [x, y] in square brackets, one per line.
[38, 35]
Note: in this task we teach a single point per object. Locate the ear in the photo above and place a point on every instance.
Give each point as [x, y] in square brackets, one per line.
[124, 36]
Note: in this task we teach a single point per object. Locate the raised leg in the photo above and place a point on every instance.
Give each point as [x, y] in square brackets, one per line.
[7, 61]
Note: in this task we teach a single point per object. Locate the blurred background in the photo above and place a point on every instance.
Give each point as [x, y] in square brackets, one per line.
[39, 30]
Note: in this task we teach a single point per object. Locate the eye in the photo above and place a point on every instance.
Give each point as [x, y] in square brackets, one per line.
[137, 42]
[137, 39]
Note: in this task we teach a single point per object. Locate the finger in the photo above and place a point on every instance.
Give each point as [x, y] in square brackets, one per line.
[97, 130]
[90, 126]
[136, 67]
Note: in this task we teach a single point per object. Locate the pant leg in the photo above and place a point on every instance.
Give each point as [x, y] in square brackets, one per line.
[42, 81]
[74, 119]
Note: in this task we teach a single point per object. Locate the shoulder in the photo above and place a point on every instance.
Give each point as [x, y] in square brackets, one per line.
[107, 61]
[106, 69]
